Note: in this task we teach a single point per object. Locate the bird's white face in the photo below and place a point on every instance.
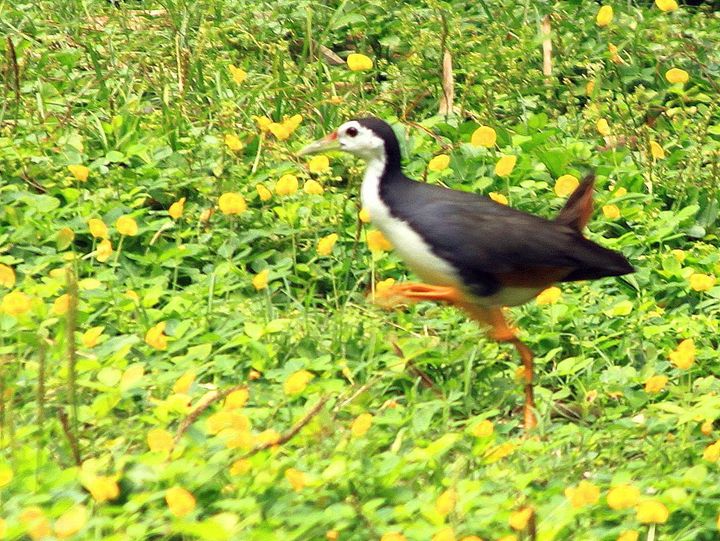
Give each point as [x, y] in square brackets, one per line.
[359, 141]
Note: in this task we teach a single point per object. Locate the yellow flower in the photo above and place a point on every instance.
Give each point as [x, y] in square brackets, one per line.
[101, 488]
[701, 282]
[629, 535]
[505, 165]
[679, 255]
[384, 285]
[445, 503]
[623, 497]
[61, 304]
[318, 164]
[364, 215]
[565, 185]
[286, 185]
[603, 127]
[104, 250]
[604, 16]
[183, 383]
[15, 303]
[676, 75]
[297, 382]
[126, 225]
[233, 142]
[6, 475]
[179, 501]
[498, 198]
[325, 245]
[313, 187]
[36, 523]
[177, 208]
[262, 122]
[484, 136]
[359, 62]
[652, 512]
[684, 355]
[332, 535]
[614, 56]
[91, 337]
[519, 519]
[484, 429]
[268, 436]
[393, 536]
[237, 399]
[500, 452]
[292, 123]
[712, 452]
[80, 172]
[655, 384]
[263, 192]
[155, 336]
[377, 242]
[238, 74]
[160, 440]
[445, 534]
[549, 296]
[439, 162]
[97, 227]
[232, 203]
[666, 5]
[584, 494]
[71, 521]
[361, 425]
[7, 276]
[657, 151]
[471, 538]
[279, 130]
[88, 284]
[240, 466]
[260, 280]
[589, 87]
[296, 478]
[611, 212]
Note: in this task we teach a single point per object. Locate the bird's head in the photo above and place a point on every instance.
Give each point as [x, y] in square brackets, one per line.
[367, 138]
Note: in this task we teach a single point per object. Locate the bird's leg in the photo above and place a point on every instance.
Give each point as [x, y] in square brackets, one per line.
[502, 332]
[415, 292]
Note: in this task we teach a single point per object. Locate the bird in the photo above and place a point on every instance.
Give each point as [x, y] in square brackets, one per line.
[470, 251]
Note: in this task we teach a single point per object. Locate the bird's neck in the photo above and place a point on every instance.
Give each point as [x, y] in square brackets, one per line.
[381, 172]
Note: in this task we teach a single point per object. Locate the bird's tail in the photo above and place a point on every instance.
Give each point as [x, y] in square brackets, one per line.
[579, 207]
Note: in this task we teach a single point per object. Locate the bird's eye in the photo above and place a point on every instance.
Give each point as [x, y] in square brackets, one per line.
[352, 132]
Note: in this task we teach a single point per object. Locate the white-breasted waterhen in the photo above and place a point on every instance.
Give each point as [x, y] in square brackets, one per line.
[473, 253]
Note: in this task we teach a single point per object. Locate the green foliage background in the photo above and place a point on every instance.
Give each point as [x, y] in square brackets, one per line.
[145, 100]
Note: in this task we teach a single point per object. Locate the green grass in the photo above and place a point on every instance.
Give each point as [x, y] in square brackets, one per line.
[145, 101]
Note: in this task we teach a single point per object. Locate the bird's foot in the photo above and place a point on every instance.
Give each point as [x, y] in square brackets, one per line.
[416, 292]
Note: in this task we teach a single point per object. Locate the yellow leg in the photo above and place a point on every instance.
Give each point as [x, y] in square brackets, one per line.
[499, 329]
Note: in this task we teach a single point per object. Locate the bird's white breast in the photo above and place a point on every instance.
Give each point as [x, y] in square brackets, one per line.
[409, 245]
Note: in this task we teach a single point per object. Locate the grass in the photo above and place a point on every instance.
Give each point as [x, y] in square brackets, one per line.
[243, 413]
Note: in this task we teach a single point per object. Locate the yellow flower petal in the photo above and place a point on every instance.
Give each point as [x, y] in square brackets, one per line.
[286, 185]
[233, 142]
[6, 475]
[102, 488]
[361, 425]
[444, 534]
[104, 250]
[155, 336]
[183, 383]
[498, 198]
[701, 282]
[238, 74]
[180, 502]
[505, 165]
[177, 208]
[677, 76]
[71, 521]
[260, 280]
[359, 62]
[160, 440]
[297, 382]
[629, 535]
[15, 303]
[126, 225]
[318, 164]
[97, 228]
[623, 497]
[445, 503]
[565, 185]
[7, 276]
[80, 172]
[364, 215]
[325, 245]
[237, 399]
[296, 478]
[377, 242]
[603, 127]
[655, 384]
[549, 296]
[484, 429]
[91, 337]
[683, 356]
[263, 192]
[61, 304]
[604, 16]
[611, 212]
[666, 5]
[439, 162]
[313, 187]
[232, 203]
[484, 136]
[519, 519]
[393, 536]
[652, 512]
[656, 150]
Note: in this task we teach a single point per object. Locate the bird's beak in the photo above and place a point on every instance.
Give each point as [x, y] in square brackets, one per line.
[327, 143]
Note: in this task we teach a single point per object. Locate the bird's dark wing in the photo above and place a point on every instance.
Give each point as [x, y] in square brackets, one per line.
[492, 244]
